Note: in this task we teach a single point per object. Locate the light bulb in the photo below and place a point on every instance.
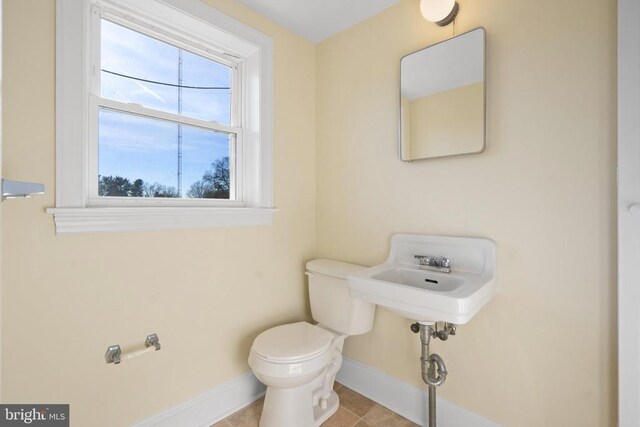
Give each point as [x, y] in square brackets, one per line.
[442, 12]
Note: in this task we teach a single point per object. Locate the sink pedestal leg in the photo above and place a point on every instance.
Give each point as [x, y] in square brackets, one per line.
[434, 371]
[432, 406]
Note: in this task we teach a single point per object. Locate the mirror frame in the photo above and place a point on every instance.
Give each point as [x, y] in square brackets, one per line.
[484, 75]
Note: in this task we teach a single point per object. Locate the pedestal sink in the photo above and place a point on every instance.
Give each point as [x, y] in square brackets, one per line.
[402, 287]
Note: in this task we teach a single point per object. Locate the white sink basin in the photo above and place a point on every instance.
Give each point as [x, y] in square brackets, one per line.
[431, 296]
[431, 281]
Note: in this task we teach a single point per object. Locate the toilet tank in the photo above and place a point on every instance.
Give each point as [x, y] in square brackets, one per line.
[331, 304]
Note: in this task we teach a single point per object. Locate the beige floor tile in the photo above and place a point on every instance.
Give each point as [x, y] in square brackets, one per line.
[337, 386]
[342, 418]
[362, 423]
[354, 402]
[380, 416]
[223, 423]
[247, 417]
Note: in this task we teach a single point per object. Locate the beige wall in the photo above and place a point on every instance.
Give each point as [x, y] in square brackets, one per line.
[444, 123]
[206, 293]
[542, 353]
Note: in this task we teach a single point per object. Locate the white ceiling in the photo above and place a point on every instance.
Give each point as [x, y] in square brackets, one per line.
[317, 20]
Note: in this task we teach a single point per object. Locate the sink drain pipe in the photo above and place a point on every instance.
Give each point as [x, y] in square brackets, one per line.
[434, 371]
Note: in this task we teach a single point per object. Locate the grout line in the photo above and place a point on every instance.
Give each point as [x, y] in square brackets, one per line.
[370, 409]
[353, 413]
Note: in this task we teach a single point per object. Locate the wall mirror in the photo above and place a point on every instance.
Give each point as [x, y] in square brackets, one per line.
[442, 99]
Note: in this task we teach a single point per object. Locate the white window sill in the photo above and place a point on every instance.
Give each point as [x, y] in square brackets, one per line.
[122, 219]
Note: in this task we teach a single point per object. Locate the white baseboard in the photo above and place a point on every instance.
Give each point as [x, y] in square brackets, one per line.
[400, 397]
[210, 407]
[403, 398]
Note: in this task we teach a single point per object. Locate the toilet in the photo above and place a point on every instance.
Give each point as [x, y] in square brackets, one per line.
[298, 362]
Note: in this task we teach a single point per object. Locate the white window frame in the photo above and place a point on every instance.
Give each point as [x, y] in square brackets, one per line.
[198, 28]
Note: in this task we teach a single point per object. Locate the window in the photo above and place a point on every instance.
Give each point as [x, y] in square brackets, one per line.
[172, 126]
[146, 147]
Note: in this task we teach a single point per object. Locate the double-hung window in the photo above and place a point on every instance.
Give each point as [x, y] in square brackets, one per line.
[166, 118]
[163, 116]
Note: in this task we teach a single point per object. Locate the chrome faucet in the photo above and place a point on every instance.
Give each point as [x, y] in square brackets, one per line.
[428, 262]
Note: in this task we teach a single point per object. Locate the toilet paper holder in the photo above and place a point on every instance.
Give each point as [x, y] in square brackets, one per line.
[114, 352]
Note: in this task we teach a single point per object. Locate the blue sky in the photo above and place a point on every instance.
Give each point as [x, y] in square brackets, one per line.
[137, 147]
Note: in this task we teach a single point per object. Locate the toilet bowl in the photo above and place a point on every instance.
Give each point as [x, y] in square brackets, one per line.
[298, 362]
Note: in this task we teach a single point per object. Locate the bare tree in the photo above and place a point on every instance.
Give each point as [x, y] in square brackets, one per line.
[215, 183]
[159, 190]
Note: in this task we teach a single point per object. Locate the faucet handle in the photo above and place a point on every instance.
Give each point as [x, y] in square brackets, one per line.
[428, 262]
[425, 259]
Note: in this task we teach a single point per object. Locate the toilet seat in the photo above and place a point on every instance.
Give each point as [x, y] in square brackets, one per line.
[292, 343]
[292, 351]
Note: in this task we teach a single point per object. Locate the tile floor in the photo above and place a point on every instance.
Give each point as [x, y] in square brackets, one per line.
[355, 411]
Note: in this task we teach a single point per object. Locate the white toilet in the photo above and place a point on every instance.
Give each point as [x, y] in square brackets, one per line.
[298, 362]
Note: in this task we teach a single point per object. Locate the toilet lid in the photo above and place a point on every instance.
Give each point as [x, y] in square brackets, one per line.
[292, 342]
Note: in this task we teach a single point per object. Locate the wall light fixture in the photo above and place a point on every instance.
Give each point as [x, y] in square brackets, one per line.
[442, 12]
